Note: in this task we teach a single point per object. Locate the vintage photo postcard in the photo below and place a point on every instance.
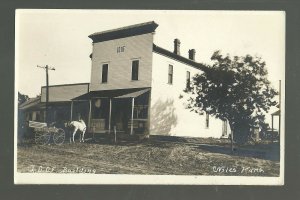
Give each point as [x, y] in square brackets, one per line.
[149, 97]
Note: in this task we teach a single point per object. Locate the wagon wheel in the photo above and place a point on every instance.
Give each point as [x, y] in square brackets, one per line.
[59, 136]
[42, 137]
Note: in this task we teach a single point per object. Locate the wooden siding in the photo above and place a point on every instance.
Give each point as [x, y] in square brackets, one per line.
[64, 92]
[168, 113]
[119, 64]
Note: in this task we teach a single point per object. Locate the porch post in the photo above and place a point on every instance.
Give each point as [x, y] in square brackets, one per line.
[279, 125]
[109, 118]
[272, 124]
[132, 107]
[71, 115]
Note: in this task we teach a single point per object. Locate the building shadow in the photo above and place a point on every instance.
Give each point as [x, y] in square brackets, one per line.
[163, 117]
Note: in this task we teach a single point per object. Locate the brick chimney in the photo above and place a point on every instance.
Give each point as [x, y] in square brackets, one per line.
[177, 46]
[192, 53]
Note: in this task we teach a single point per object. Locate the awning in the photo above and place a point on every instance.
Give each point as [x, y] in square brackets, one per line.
[119, 93]
[133, 94]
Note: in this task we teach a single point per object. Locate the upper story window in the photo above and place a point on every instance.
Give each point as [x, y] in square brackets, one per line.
[135, 70]
[104, 73]
[170, 74]
[188, 80]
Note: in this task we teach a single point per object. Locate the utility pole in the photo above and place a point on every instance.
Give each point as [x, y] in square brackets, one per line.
[47, 88]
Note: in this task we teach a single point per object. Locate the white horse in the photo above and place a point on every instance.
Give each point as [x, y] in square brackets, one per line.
[77, 125]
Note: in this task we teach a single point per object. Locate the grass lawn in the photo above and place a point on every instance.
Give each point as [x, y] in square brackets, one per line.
[158, 155]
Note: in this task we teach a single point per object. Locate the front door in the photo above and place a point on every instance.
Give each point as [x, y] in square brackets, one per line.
[121, 113]
[99, 115]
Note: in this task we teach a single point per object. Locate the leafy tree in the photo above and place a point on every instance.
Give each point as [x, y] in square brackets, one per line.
[22, 98]
[234, 89]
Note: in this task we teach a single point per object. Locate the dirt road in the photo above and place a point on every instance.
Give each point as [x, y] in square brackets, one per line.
[152, 157]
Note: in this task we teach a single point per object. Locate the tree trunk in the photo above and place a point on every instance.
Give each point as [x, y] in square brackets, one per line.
[231, 136]
[231, 142]
[241, 133]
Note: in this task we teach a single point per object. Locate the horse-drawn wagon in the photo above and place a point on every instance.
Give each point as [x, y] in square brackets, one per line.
[44, 133]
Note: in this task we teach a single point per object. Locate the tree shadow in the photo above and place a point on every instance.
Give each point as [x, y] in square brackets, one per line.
[266, 154]
[163, 117]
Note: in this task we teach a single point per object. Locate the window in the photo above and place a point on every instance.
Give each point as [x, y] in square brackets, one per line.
[224, 128]
[104, 73]
[30, 116]
[188, 80]
[170, 74]
[135, 70]
[207, 121]
[140, 112]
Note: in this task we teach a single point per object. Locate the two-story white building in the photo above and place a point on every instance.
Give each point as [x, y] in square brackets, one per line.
[136, 86]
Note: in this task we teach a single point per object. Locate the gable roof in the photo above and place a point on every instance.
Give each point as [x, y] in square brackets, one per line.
[30, 103]
[126, 31]
[179, 58]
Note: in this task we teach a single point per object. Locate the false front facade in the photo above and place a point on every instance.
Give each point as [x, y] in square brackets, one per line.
[135, 87]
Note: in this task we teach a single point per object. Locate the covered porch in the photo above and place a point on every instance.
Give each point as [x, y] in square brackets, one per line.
[277, 113]
[122, 110]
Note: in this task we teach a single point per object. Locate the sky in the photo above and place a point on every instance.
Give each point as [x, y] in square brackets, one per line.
[59, 38]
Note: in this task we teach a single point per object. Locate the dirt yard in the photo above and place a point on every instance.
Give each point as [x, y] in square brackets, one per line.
[158, 155]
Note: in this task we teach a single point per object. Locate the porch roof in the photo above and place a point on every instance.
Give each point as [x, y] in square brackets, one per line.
[32, 103]
[118, 93]
[276, 113]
